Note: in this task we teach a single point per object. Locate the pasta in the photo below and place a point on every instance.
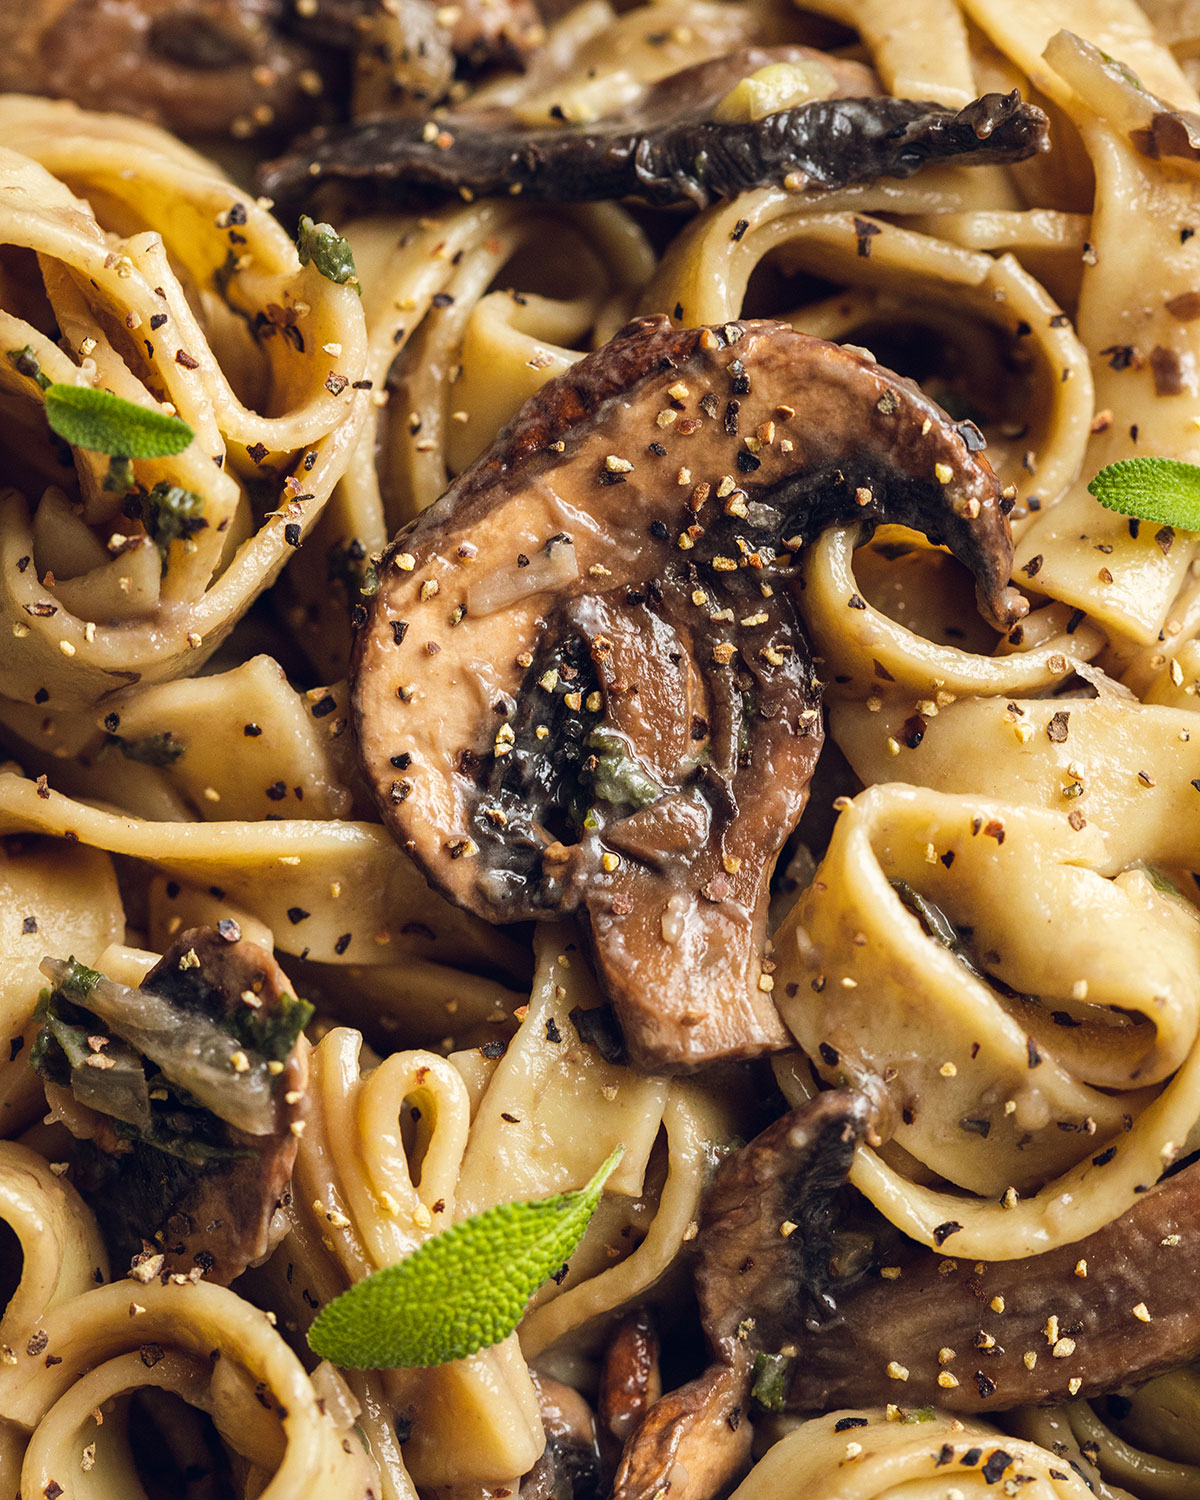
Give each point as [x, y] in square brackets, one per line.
[904, 1202]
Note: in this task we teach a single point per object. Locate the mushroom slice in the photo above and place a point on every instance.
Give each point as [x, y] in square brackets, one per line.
[195, 66]
[755, 1285]
[1107, 1312]
[666, 150]
[773, 1243]
[583, 685]
[183, 1094]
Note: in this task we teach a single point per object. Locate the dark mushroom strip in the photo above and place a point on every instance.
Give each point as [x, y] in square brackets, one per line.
[195, 66]
[1109, 1311]
[660, 155]
[583, 685]
[753, 1283]
[772, 1238]
[186, 1095]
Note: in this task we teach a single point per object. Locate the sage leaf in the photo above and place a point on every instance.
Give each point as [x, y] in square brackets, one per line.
[463, 1290]
[1164, 490]
[104, 423]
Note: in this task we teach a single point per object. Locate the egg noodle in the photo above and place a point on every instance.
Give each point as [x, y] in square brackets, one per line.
[1038, 788]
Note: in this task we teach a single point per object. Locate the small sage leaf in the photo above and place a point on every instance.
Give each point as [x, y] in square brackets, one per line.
[1164, 490]
[104, 423]
[463, 1290]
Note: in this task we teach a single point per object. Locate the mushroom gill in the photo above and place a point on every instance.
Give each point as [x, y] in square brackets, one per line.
[583, 686]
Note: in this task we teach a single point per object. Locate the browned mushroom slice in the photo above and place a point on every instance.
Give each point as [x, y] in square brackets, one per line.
[569, 1468]
[1109, 1311]
[196, 66]
[755, 1285]
[583, 686]
[662, 154]
[694, 1442]
[630, 1382]
[183, 1094]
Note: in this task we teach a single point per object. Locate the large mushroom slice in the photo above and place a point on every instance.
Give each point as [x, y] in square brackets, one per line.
[185, 1096]
[583, 686]
[684, 142]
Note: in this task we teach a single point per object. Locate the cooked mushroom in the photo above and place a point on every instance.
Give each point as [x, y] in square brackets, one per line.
[630, 1382]
[668, 151]
[583, 686]
[196, 66]
[773, 1243]
[693, 1442]
[1109, 1311]
[569, 1468]
[183, 1095]
[755, 1285]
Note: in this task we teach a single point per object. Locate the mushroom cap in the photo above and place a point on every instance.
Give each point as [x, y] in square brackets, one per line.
[583, 686]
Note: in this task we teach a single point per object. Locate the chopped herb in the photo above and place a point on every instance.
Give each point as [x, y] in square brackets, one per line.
[1165, 490]
[152, 750]
[771, 1372]
[104, 423]
[615, 773]
[917, 1414]
[25, 362]
[169, 513]
[462, 1290]
[119, 477]
[328, 251]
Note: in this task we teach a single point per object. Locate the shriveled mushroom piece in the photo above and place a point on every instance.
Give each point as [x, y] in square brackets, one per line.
[183, 1095]
[583, 686]
[677, 145]
[768, 1246]
[196, 66]
[1109, 1311]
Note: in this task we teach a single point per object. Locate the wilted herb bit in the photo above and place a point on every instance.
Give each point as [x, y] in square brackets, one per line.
[104, 423]
[462, 1290]
[614, 772]
[119, 477]
[152, 749]
[917, 1414]
[168, 512]
[328, 251]
[771, 1376]
[26, 363]
[347, 563]
[273, 1034]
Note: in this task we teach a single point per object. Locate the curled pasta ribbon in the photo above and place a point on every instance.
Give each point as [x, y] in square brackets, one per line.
[283, 873]
[1143, 1443]
[200, 1342]
[360, 1204]
[1129, 768]
[973, 300]
[866, 652]
[42, 913]
[1055, 1094]
[868, 1455]
[60, 1245]
[168, 285]
[1144, 357]
[453, 354]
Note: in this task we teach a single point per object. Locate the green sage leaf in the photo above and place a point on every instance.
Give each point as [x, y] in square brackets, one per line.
[463, 1290]
[104, 423]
